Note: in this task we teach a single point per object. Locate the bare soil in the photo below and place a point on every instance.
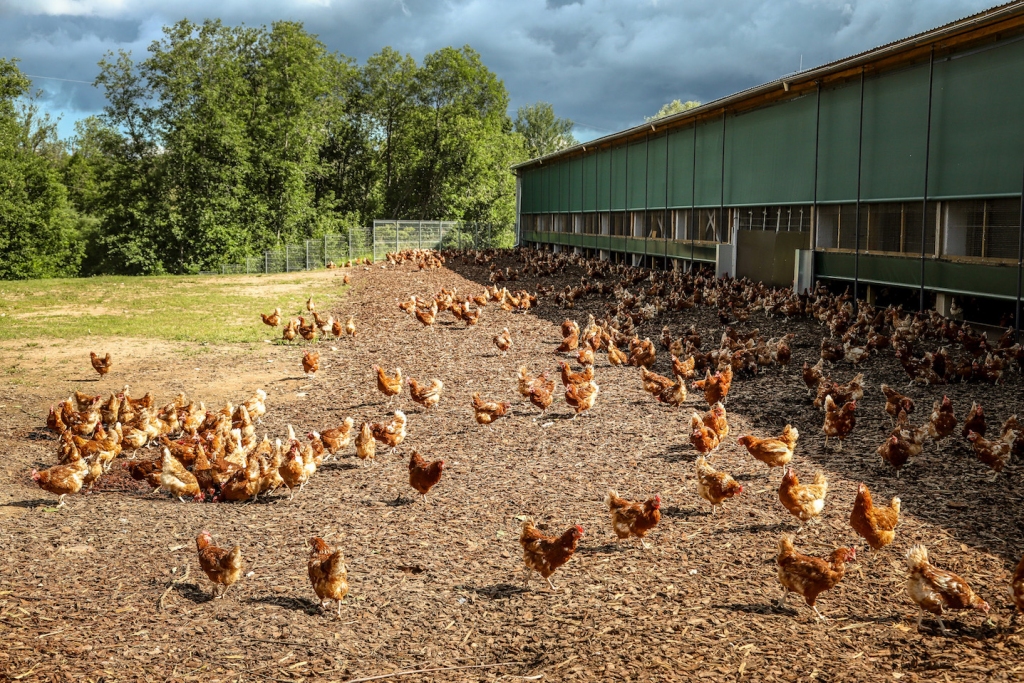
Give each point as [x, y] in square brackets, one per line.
[108, 587]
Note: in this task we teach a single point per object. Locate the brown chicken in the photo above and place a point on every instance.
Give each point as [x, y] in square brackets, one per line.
[1018, 444]
[1017, 587]
[290, 331]
[389, 386]
[876, 525]
[684, 369]
[545, 554]
[810, 576]
[427, 396]
[813, 376]
[274, 319]
[839, 422]
[703, 438]
[350, 326]
[293, 471]
[581, 397]
[427, 316]
[616, 357]
[936, 590]
[674, 394]
[101, 365]
[542, 395]
[642, 354]
[569, 377]
[62, 480]
[487, 412]
[311, 362]
[896, 402]
[804, 501]
[717, 421]
[942, 421]
[585, 356]
[503, 341]
[653, 383]
[424, 475]
[366, 445]
[223, 567]
[145, 470]
[975, 421]
[391, 434]
[840, 393]
[713, 486]
[995, 453]
[774, 452]
[716, 387]
[327, 573]
[570, 342]
[338, 438]
[633, 519]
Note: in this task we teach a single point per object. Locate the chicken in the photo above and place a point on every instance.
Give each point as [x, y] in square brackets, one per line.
[570, 342]
[840, 393]
[62, 480]
[936, 590]
[895, 402]
[311, 362]
[274, 319]
[338, 438]
[569, 327]
[804, 501]
[1018, 443]
[716, 387]
[424, 475]
[366, 445]
[526, 381]
[545, 554]
[350, 326]
[245, 483]
[427, 396]
[290, 331]
[684, 369]
[717, 421]
[633, 519]
[293, 470]
[713, 486]
[1017, 586]
[703, 438]
[392, 434]
[487, 412]
[177, 480]
[427, 316]
[581, 397]
[306, 331]
[776, 452]
[813, 375]
[310, 306]
[994, 453]
[542, 394]
[674, 394]
[145, 470]
[975, 421]
[876, 525]
[223, 567]
[327, 573]
[389, 386]
[101, 365]
[642, 354]
[615, 356]
[503, 341]
[652, 382]
[810, 576]
[585, 356]
[839, 422]
[569, 377]
[942, 421]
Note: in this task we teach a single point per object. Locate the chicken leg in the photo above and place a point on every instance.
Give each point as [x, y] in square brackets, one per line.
[782, 600]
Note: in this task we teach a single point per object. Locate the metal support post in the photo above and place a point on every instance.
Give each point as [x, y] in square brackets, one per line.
[856, 231]
[927, 158]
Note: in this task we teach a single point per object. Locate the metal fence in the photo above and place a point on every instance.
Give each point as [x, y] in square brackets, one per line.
[373, 243]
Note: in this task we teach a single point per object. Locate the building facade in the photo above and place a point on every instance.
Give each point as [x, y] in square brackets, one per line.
[901, 166]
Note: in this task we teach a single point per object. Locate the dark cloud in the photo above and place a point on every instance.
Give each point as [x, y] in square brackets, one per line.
[604, 63]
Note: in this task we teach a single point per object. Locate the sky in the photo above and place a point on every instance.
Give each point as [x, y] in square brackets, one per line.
[605, 64]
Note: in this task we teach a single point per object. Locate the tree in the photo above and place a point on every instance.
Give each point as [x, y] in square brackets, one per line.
[37, 223]
[673, 107]
[543, 132]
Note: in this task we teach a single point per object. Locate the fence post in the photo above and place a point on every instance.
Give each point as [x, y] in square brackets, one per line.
[397, 247]
[266, 262]
[325, 250]
[307, 254]
[348, 231]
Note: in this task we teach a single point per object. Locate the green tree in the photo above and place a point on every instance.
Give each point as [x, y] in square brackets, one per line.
[37, 223]
[543, 132]
[673, 107]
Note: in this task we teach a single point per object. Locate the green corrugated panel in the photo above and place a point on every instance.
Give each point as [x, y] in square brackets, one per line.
[531, 191]
[636, 176]
[680, 168]
[656, 151]
[895, 118]
[542, 190]
[590, 182]
[618, 180]
[769, 154]
[563, 187]
[576, 184]
[604, 180]
[977, 131]
[709, 163]
[837, 144]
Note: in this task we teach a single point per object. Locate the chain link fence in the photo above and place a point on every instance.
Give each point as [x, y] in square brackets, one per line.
[372, 243]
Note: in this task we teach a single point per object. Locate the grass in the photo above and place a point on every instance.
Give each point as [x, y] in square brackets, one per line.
[216, 309]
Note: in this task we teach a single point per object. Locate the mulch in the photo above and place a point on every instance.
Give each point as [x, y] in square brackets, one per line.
[99, 589]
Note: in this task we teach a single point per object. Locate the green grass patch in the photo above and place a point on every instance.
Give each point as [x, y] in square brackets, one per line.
[174, 308]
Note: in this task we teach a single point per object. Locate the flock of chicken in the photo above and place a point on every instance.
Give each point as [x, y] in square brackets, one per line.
[216, 454]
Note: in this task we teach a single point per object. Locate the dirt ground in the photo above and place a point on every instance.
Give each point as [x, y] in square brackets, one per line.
[109, 588]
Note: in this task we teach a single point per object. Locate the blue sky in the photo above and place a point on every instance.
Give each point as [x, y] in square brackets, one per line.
[603, 63]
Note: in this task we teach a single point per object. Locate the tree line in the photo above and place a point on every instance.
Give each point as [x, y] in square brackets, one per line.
[225, 141]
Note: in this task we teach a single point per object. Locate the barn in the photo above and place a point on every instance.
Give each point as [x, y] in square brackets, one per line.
[899, 169]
